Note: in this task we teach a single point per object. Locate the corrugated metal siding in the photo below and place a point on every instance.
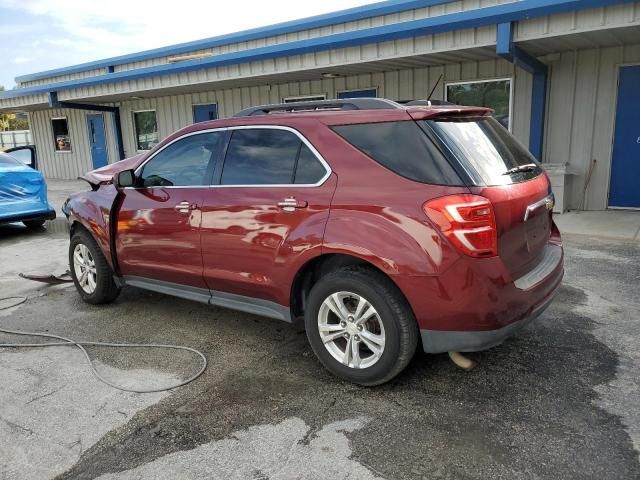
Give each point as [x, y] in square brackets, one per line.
[174, 112]
[397, 49]
[613, 16]
[67, 165]
[580, 118]
[63, 78]
[579, 124]
[408, 15]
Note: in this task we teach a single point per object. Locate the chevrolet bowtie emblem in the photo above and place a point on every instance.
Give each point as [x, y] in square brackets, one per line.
[548, 202]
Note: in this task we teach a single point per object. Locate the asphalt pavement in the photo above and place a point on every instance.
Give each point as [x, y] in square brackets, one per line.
[559, 400]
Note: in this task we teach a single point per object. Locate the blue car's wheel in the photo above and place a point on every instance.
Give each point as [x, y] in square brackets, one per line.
[33, 224]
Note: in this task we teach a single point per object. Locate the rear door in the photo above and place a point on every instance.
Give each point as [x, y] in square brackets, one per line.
[625, 168]
[503, 171]
[158, 224]
[267, 213]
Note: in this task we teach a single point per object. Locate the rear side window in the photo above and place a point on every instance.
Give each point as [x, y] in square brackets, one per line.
[264, 156]
[403, 148]
[485, 147]
[309, 169]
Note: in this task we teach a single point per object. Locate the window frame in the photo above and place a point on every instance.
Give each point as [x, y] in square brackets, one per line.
[53, 135]
[223, 154]
[204, 103]
[133, 121]
[488, 80]
[305, 98]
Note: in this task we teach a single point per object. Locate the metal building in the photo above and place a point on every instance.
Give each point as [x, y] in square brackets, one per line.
[563, 76]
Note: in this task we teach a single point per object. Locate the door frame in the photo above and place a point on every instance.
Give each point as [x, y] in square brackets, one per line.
[618, 67]
[104, 130]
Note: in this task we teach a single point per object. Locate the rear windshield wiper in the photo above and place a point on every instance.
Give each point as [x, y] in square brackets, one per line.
[527, 167]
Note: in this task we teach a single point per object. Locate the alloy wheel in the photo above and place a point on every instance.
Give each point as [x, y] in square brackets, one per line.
[85, 268]
[351, 330]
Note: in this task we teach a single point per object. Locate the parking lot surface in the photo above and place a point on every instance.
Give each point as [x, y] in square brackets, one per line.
[560, 400]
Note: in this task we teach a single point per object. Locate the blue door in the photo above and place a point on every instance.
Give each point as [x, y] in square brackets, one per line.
[97, 140]
[625, 168]
[203, 113]
[366, 93]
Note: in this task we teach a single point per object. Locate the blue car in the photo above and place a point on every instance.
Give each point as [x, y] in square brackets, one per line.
[23, 191]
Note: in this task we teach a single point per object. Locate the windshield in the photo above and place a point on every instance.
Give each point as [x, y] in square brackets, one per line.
[8, 161]
[488, 151]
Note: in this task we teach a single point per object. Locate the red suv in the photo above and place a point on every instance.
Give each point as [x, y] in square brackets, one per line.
[380, 224]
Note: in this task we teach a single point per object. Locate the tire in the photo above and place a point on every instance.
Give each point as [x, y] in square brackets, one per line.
[393, 325]
[33, 224]
[98, 287]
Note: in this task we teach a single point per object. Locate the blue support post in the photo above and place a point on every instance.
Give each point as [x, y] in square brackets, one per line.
[506, 49]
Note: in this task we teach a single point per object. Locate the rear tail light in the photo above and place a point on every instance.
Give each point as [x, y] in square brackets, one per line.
[468, 221]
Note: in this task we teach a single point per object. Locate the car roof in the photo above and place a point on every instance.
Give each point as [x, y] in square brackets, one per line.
[338, 117]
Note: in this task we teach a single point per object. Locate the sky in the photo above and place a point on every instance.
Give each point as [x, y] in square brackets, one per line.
[38, 35]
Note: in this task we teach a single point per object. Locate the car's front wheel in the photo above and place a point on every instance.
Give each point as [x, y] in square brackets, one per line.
[90, 271]
[360, 326]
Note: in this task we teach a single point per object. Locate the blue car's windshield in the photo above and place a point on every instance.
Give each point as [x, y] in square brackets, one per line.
[7, 161]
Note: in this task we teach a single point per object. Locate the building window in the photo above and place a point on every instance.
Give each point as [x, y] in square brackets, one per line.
[305, 98]
[362, 93]
[61, 138]
[495, 94]
[146, 129]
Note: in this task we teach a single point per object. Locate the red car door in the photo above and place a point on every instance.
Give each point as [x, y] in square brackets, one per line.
[266, 217]
[158, 224]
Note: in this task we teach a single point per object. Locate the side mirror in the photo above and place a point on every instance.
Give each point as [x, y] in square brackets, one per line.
[126, 178]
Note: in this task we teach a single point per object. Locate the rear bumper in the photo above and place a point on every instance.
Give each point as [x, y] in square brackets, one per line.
[49, 214]
[477, 304]
[440, 341]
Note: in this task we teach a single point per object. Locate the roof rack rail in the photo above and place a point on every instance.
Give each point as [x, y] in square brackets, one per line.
[341, 104]
[425, 103]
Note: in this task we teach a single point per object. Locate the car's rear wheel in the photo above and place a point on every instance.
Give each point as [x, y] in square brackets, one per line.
[360, 326]
[33, 224]
[90, 271]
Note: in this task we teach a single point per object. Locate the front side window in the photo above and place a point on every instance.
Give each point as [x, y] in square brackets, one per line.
[187, 162]
[61, 137]
[146, 129]
[262, 156]
[495, 94]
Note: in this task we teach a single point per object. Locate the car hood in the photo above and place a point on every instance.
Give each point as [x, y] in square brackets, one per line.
[105, 174]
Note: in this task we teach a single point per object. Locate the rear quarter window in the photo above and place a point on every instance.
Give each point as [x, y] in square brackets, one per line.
[487, 150]
[403, 148]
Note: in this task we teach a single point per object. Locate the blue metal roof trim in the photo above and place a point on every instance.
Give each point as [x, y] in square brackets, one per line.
[348, 15]
[469, 19]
